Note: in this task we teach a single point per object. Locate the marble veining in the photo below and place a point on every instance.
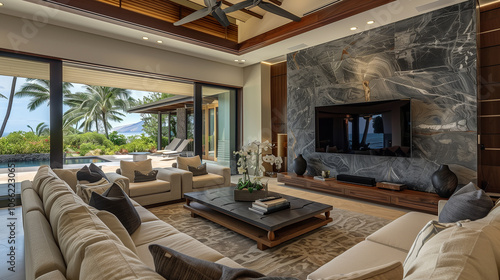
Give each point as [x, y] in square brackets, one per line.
[429, 58]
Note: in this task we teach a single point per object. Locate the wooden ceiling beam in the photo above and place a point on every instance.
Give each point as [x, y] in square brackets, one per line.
[315, 20]
[254, 14]
[275, 2]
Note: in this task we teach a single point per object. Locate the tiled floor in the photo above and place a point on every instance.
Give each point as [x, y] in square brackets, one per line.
[6, 218]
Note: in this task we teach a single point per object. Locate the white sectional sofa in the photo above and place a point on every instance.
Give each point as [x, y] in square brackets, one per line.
[65, 238]
[466, 250]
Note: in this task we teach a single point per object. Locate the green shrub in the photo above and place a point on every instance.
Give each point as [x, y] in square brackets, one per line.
[76, 140]
[21, 142]
[140, 143]
[117, 139]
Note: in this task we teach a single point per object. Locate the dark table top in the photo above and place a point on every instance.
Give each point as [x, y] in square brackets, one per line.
[222, 200]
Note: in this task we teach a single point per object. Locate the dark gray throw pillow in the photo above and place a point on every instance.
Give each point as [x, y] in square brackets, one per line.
[198, 171]
[466, 203]
[115, 200]
[85, 174]
[176, 266]
[141, 177]
[96, 169]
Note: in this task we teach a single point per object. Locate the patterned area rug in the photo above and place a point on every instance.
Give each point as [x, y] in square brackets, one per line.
[295, 258]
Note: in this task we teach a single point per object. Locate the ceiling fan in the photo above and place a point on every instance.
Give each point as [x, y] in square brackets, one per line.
[263, 5]
[213, 8]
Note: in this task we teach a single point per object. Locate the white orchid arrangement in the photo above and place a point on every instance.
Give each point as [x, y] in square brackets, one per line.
[250, 157]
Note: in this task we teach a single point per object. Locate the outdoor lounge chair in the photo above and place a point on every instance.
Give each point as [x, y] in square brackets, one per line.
[178, 150]
[170, 147]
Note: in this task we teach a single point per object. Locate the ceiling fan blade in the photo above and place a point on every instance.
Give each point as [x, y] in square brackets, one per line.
[278, 11]
[194, 16]
[238, 6]
[221, 17]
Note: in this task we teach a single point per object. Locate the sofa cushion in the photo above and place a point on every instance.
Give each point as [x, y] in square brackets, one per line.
[53, 275]
[455, 253]
[52, 191]
[68, 176]
[389, 271]
[112, 222]
[145, 214]
[111, 261]
[174, 265]
[43, 173]
[31, 201]
[229, 262]
[85, 174]
[145, 177]
[117, 202]
[84, 191]
[128, 168]
[151, 187]
[183, 162]
[407, 227]
[430, 230]
[198, 170]
[77, 229]
[41, 248]
[208, 180]
[360, 256]
[468, 202]
[150, 231]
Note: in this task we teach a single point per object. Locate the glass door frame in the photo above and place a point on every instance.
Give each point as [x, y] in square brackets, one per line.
[56, 104]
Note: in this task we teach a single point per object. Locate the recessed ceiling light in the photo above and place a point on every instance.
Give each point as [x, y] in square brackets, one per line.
[1, 4]
[145, 38]
[370, 22]
[159, 42]
[354, 28]
[243, 60]
[236, 60]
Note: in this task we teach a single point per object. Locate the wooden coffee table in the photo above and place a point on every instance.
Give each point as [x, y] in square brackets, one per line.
[218, 205]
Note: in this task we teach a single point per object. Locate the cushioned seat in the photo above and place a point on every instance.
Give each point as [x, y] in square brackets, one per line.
[150, 231]
[208, 180]
[359, 257]
[145, 215]
[151, 187]
[180, 242]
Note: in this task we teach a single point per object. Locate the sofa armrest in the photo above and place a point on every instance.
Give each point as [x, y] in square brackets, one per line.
[186, 179]
[169, 175]
[441, 204]
[120, 180]
[222, 171]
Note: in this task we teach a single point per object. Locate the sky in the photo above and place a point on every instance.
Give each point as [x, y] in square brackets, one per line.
[20, 116]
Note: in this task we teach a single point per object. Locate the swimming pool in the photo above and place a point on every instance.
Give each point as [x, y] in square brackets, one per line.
[71, 160]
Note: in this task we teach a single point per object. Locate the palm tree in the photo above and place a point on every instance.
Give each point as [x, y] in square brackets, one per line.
[42, 129]
[39, 91]
[9, 106]
[97, 106]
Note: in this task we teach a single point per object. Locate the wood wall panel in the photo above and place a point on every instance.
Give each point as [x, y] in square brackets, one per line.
[491, 141]
[489, 56]
[490, 74]
[490, 108]
[489, 178]
[490, 125]
[489, 157]
[491, 38]
[490, 91]
[489, 20]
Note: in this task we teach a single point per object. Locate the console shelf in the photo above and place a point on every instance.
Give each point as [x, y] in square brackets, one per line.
[415, 200]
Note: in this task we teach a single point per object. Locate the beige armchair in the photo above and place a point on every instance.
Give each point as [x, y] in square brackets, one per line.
[217, 177]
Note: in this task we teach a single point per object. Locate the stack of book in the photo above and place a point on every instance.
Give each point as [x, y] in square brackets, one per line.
[269, 205]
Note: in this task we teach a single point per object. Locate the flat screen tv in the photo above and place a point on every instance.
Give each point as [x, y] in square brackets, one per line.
[380, 128]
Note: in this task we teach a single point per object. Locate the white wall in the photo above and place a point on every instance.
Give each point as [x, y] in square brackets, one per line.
[256, 103]
[54, 41]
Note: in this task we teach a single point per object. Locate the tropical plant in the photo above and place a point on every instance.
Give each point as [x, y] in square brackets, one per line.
[117, 139]
[97, 106]
[39, 91]
[9, 106]
[42, 129]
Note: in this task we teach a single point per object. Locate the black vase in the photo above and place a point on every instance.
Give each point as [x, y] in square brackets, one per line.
[299, 165]
[444, 181]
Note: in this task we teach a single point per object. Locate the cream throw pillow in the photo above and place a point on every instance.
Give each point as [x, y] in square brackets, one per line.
[390, 271]
[183, 162]
[128, 168]
[85, 190]
[430, 230]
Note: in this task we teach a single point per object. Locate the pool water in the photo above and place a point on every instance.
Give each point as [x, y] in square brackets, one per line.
[84, 160]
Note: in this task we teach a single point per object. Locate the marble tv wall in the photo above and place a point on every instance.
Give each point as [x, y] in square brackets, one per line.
[430, 58]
